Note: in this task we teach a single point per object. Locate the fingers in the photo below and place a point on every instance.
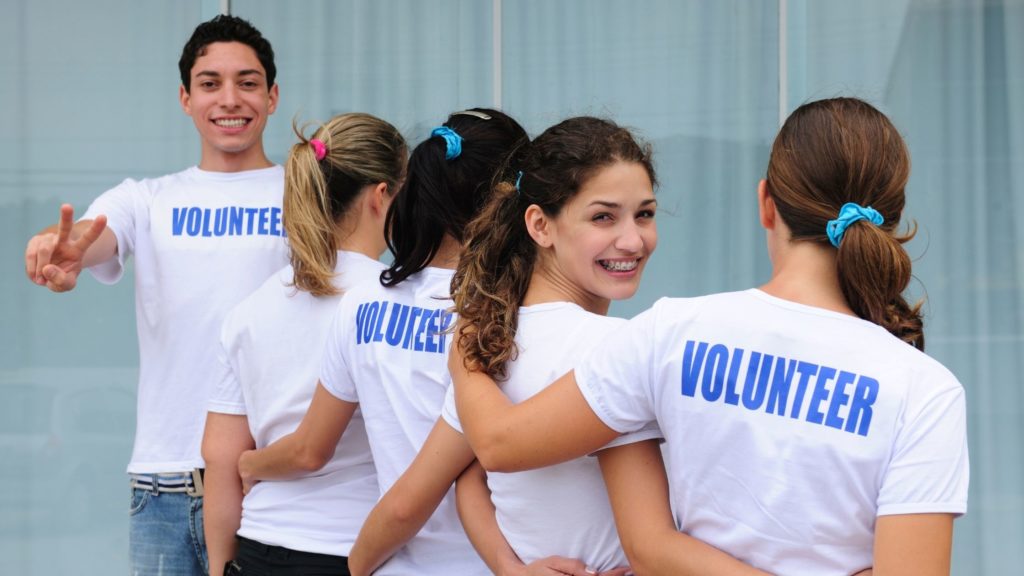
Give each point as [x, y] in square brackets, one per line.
[92, 233]
[67, 215]
[44, 247]
[58, 280]
[561, 565]
[247, 486]
[624, 571]
[31, 257]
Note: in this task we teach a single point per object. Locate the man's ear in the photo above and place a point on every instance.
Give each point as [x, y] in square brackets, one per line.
[538, 226]
[274, 94]
[186, 100]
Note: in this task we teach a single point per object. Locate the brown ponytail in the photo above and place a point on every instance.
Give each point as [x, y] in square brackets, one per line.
[831, 152]
[491, 280]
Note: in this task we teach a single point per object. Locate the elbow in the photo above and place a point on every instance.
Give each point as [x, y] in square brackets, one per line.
[640, 560]
[495, 455]
[403, 511]
[311, 458]
[493, 462]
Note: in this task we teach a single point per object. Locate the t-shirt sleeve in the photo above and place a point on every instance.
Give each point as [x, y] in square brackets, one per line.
[448, 410]
[651, 431]
[334, 367]
[227, 396]
[616, 376]
[929, 472]
[119, 206]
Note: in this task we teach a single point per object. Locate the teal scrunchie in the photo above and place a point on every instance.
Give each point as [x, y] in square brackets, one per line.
[848, 214]
[452, 141]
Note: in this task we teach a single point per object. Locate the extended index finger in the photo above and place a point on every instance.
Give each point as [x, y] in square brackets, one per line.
[67, 215]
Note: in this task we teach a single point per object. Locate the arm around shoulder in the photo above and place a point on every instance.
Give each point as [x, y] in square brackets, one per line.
[555, 425]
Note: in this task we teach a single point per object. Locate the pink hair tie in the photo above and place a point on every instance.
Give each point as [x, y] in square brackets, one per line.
[319, 149]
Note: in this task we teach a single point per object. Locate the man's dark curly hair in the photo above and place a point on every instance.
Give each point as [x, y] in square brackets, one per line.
[224, 28]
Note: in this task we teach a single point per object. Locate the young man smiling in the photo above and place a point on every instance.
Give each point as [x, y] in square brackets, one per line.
[202, 239]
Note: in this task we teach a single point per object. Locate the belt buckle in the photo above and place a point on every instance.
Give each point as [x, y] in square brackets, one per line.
[195, 489]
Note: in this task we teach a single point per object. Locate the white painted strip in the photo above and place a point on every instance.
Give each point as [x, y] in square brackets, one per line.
[496, 55]
[783, 61]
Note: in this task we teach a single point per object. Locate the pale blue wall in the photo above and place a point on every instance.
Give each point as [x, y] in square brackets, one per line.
[89, 97]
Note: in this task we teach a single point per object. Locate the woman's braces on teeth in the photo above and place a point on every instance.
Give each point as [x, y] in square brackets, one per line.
[619, 265]
[231, 122]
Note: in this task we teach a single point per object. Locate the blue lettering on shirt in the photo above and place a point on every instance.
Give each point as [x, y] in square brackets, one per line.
[403, 326]
[250, 219]
[731, 397]
[753, 394]
[195, 221]
[226, 221]
[178, 221]
[767, 385]
[396, 325]
[220, 223]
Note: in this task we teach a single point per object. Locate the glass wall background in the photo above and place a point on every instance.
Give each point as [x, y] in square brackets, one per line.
[90, 97]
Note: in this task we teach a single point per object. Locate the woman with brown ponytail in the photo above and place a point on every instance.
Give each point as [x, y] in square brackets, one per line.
[338, 186]
[806, 431]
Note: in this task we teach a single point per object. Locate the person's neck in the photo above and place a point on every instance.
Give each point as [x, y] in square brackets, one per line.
[362, 240]
[218, 161]
[548, 285]
[447, 255]
[805, 273]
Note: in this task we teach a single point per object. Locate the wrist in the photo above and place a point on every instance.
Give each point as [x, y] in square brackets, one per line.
[509, 565]
[245, 465]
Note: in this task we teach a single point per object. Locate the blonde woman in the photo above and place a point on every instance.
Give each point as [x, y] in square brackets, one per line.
[338, 186]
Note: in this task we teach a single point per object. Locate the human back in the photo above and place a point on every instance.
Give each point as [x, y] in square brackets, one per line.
[339, 182]
[784, 445]
[389, 342]
[799, 417]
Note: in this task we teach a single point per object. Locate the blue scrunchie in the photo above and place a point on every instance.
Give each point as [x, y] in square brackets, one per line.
[848, 214]
[452, 141]
[519, 178]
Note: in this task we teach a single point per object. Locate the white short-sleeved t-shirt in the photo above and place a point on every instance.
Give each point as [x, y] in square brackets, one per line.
[271, 347]
[788, 428]
[201, 242]
[563, 509]
[388, 351]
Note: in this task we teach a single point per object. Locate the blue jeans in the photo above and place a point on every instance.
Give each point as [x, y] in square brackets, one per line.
[165, 535]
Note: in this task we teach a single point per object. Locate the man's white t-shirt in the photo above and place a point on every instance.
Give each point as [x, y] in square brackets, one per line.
[271, 347]
[789, 428]
[388, 351]
[201, 242]
[563, 509]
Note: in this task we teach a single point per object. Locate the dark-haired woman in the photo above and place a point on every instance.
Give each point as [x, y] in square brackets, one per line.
[553, 247]
[807, 433]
